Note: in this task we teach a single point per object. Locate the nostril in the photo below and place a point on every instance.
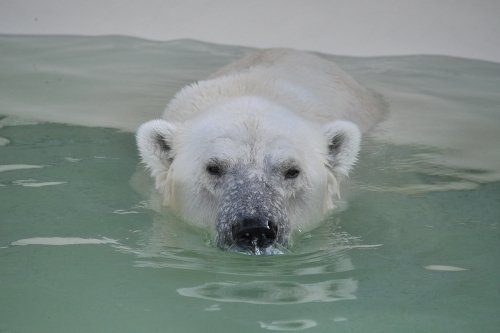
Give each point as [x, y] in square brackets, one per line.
[273, 227]
[251, 233]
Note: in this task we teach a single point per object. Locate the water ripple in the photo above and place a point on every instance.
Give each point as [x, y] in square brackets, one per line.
[173, 244]
[274, 292]
[288, 325]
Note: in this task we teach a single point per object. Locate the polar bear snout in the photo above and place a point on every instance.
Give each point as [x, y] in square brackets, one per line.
[254, 232]
[251, 215]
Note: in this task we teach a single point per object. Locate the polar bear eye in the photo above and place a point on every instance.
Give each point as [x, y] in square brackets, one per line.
[215, 169]
[292, 173]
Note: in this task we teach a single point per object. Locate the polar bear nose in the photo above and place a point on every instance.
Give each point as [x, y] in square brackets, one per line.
[251, 233]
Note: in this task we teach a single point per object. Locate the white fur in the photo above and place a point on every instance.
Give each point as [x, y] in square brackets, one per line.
[267, 109]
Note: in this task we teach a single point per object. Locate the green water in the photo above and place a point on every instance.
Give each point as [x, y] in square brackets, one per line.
[84, 247]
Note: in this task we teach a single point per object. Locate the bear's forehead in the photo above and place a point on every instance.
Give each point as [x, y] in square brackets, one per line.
[261, 135]
[249, 125]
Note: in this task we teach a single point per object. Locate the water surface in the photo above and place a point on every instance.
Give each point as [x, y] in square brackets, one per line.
[84, 247]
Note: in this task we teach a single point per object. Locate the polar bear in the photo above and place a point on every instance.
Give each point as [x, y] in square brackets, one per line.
[257, 150]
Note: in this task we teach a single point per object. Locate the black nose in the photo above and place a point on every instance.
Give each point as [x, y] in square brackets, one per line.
[254, 233]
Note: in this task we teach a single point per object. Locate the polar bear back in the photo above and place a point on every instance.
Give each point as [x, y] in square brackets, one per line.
[307, 84]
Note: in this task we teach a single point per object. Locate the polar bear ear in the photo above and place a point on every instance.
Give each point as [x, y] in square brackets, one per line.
[155, 143]
[343, 140]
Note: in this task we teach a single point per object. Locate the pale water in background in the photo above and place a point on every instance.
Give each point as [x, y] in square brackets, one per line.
[415, 247]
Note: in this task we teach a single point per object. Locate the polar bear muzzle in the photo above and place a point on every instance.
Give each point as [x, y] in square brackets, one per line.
[251, 215]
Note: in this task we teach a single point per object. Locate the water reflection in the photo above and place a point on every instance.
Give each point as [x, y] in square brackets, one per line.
[35, 183]
[173, 244]
[445, 268]
[415, 169]
[288, 325]
[274, 292]
[58, 241]
[14, 167]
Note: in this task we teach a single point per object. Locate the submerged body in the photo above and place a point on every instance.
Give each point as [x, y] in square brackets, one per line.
[257, 150]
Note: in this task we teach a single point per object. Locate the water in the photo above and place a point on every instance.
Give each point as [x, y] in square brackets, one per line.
[84, 246]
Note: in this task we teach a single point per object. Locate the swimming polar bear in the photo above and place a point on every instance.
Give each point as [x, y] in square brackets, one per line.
[257, 150]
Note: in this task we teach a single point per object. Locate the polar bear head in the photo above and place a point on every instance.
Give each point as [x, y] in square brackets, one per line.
[249, 168]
